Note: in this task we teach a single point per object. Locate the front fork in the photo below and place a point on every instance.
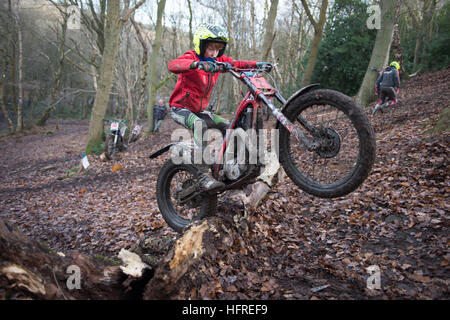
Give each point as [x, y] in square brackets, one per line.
[310, 144]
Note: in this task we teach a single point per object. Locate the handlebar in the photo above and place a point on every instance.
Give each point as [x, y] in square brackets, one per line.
[118, 120]
[226, 67]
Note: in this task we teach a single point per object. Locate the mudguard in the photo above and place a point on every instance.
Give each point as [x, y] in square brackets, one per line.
[295, 95]
[183, 145]
[161, 151]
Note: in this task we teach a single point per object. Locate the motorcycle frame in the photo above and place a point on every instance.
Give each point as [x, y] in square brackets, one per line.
[258, 98]
[117, 132]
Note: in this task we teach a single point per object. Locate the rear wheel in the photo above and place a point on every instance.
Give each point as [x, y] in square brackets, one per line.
[346, 142]
[176, 185]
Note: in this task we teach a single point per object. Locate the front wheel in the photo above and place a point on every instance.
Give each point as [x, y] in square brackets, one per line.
[346, 144]
[110, 146]
[176, 195]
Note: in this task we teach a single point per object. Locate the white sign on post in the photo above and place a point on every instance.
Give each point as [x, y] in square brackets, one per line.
[85, 161]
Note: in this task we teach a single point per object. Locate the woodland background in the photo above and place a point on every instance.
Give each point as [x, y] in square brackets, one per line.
[59, 64]
[58, 83]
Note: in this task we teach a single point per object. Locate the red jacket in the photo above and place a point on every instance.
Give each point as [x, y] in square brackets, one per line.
[194, 86]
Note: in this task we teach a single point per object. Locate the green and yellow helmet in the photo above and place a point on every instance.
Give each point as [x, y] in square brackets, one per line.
[395, 64]
[206, 33]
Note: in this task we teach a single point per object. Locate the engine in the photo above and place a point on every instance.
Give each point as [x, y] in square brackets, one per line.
[234, 167]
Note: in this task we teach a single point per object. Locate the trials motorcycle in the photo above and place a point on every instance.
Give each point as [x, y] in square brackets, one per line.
[325, 144]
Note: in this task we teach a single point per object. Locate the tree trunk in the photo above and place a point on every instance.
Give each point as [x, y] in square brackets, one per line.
[269, 30]
[288, 54]
[191, 36]
[428, 11]
[318, 32]
[398, 52]
[56, 81]
[388, 51]
[16, 17]
[252, 27]
[2, 92]
[143, 70]
[382, 40]
[153, 69]
[106, 77]
[423, 31]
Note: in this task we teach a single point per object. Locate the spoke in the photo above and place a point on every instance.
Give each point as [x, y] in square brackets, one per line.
[339, 142]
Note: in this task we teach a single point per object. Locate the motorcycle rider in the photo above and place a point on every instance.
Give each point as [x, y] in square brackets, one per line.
[387, 85]
[197, 75]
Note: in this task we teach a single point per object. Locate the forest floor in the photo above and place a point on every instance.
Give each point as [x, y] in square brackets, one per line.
[297, 247]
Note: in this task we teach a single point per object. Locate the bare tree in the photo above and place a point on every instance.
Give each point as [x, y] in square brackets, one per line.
[153, 59]
[7, 56]
[318, 31]
[14, 9]
[269, 33]
[62, 54]
[4, 69]
[114, 23]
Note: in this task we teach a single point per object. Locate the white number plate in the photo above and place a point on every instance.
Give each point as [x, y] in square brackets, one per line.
[137, 129]
[114, 126]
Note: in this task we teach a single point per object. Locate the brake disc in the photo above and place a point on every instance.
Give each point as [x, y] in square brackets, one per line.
[329, 143]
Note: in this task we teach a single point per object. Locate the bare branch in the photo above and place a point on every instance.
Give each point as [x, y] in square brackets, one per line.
[132, 10]
[308, 13]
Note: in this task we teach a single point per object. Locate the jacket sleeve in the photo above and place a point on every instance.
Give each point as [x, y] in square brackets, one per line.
[396, 79]
[241, 64]
[181, 64]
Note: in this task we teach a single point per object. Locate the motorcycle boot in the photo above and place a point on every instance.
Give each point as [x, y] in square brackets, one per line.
[378, 107]
[207, 182]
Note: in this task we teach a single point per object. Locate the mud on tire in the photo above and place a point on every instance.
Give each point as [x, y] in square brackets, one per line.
[349, 134]
[172, 178]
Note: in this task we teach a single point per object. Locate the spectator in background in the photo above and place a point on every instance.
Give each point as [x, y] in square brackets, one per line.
[159, 113]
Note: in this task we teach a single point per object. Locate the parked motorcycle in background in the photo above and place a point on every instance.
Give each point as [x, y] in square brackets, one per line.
[115, 141]
[135, 134]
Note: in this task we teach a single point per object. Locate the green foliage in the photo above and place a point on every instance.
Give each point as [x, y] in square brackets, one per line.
[437, 53]
[95, 148]
[346, 48]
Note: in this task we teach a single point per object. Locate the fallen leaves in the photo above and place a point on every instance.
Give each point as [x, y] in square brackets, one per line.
[297, 246]
[116, 167]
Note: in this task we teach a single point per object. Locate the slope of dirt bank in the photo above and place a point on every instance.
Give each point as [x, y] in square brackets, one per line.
[397, 220]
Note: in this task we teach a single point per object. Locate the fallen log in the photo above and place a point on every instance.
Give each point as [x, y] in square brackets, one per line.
[29, 270]
[183, 269]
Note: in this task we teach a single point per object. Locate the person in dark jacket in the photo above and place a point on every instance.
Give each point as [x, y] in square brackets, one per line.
[387, 86]
[197, 75]
[159, 113]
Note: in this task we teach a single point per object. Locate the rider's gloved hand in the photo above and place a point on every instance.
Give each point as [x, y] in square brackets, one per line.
[225, 66]
[264, 65]
[207, 66]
